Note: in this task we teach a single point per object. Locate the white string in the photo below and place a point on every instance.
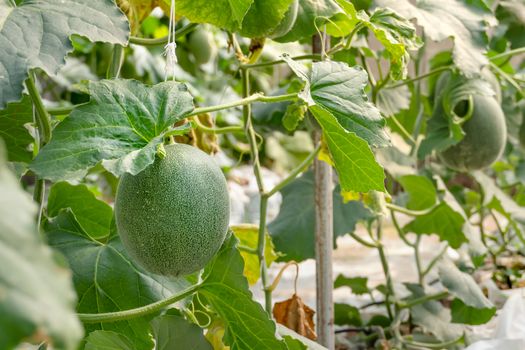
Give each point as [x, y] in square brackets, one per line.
[169, 49]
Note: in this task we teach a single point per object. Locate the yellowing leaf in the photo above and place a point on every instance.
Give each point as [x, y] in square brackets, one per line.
[248, 235]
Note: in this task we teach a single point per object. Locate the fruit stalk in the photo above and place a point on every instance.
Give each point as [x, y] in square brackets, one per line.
[140, 311]
[254, 151]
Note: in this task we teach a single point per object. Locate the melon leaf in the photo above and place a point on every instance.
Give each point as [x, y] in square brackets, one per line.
[106, 279]
[226, 290]
[37, 299]
[36, 34]
[121, 127]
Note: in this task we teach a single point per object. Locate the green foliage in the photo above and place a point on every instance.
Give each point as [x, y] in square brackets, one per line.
[311, 13]
[293, 230]
[173, 332]
[358, 285]
[444, 222]
[36, 35]
[460, 107]
[37, 296]
[466, 24]
[106, 279]
[346, 125]
[107, 340]
[173, 216]
[248, 237]
[226, 290]
[121, 127]
[93, 215]
[252, 18]
[13, 129]
[470, 305]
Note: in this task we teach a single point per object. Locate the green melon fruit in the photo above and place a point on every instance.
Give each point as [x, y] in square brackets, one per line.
[287, 22]
[202, 45]
[488, 76]
[485, 137]
[173, 216]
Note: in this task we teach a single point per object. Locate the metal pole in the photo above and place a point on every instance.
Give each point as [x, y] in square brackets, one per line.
[324, 234]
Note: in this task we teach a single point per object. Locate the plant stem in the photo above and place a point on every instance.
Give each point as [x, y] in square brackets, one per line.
[42, 118]
[60, 110]
[417, 258]
[437, 346]
[223, 130]
[434, 261]
[140, 311]
[258, 97]
[272, 63]
[386, 271]
[38, 196]
[44, 135]
[409, 212]
[422, 76]
[508, 53]
[263, 204]
[117, 59]
[248, 249]
[399, 230]
[380, 84]
[294, 173]
[404, 131]
[423, 299]
[363, 241]
[371, 78]
[508, 78]
[164, 40]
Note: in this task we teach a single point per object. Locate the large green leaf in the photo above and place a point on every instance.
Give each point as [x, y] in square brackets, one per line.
[263, 17]
[36, 34]
[470, 305]
[391, 101]
[358, 285]
[12, 129]
[335, 95]
[441, 19]
[421, 191]
[396, 34]
[108, 340]
[345, 314]
[251, 18]
[93, 215]
[173, 332]
[310, 14]
[442, 221]
[339, 89]
[225, 288]
[121, 126]
[107, 280]
[293, 230]
[354, 160]
[37, 298]
[227, 14]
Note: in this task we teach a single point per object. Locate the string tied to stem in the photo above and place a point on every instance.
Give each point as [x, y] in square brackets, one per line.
[170, 48]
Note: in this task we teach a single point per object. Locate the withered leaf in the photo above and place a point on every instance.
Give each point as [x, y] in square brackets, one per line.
[296, 315]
